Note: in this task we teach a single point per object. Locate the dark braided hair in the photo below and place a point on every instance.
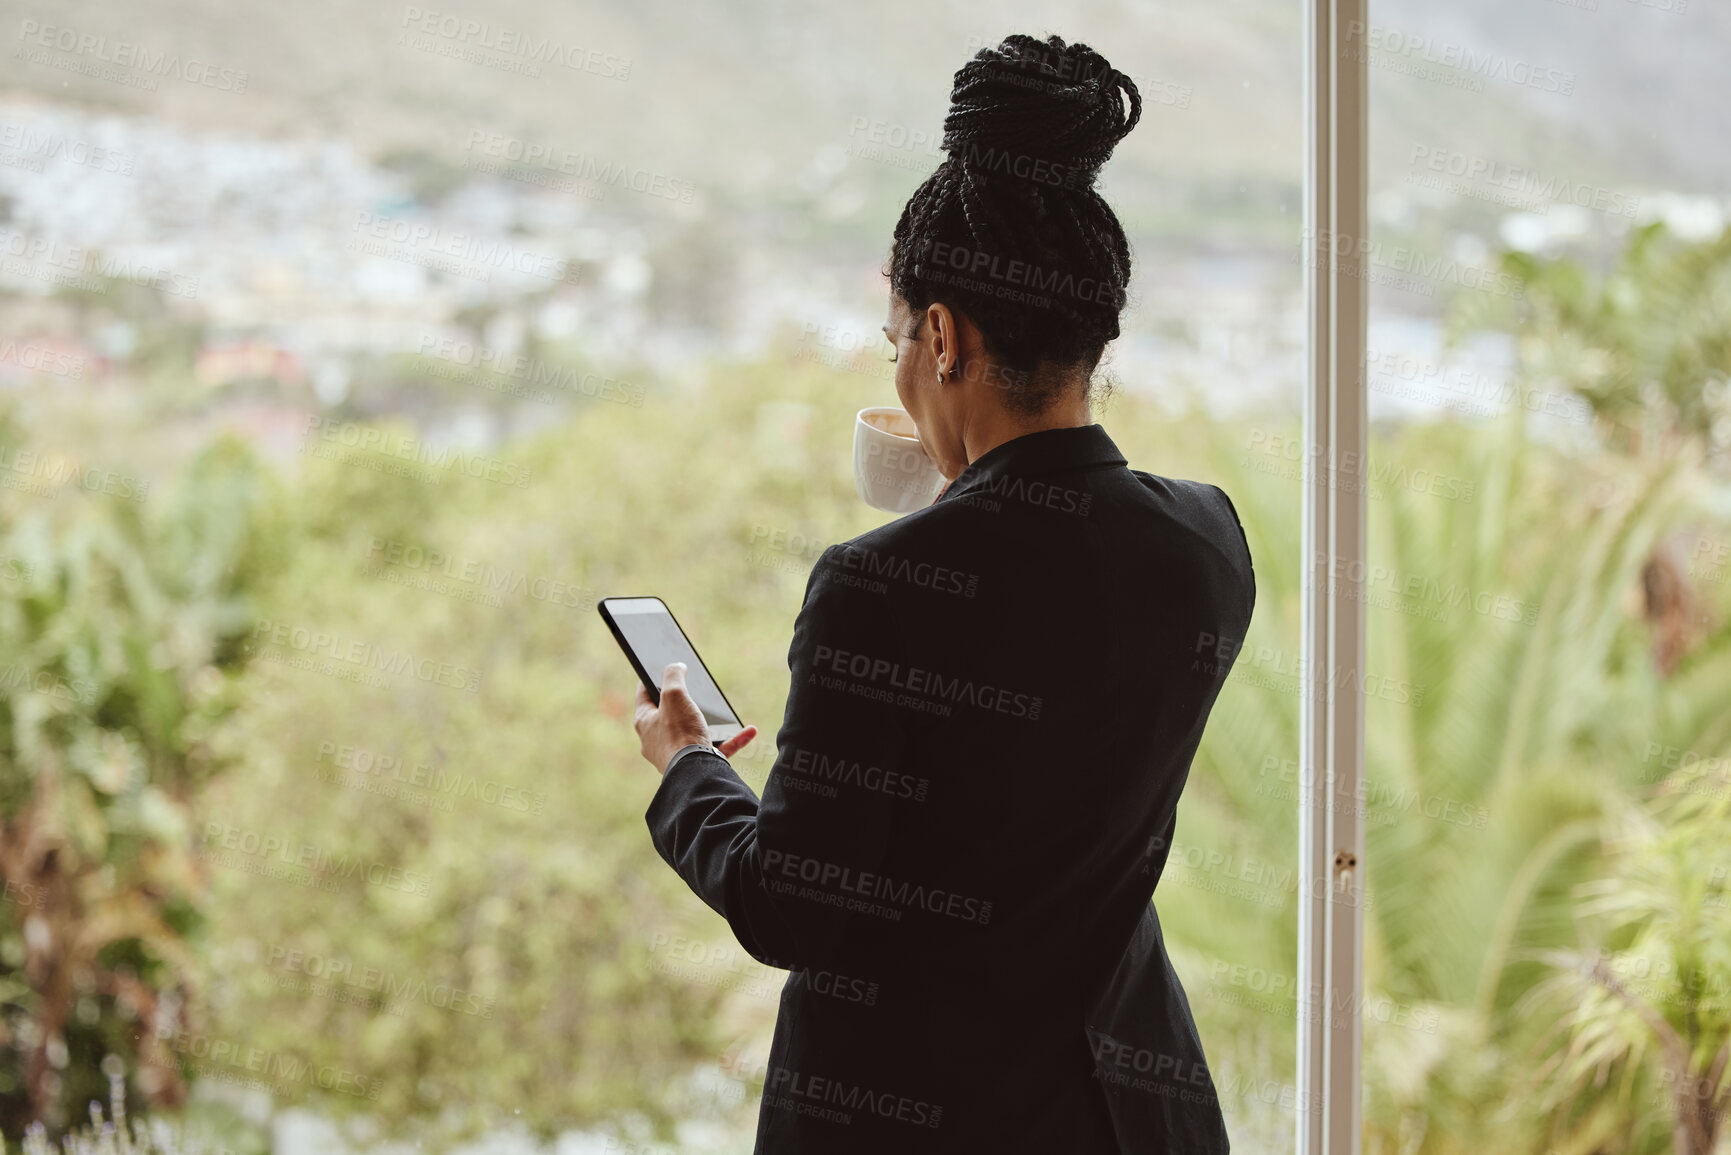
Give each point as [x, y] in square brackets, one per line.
[1010, 230]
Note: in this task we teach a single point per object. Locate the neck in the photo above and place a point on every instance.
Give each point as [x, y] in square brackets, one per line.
[986, 431]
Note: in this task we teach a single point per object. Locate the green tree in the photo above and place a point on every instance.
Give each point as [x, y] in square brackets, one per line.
[522, 802]
[118, 621]
[1646, 343]
[1516, 712]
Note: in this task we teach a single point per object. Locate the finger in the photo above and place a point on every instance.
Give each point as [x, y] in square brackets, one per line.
[738, 742]
[643, 695]
[673, 677]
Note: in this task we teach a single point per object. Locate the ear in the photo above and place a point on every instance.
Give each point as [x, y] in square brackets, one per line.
[945, 340]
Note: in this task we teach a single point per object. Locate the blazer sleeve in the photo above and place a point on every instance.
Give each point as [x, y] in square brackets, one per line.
[783, 871]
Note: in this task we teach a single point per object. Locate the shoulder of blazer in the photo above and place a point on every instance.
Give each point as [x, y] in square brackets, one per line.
[914, 557]
[1208, 512]
[917, 530]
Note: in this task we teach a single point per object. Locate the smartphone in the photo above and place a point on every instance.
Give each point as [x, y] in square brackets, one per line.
[651, 639]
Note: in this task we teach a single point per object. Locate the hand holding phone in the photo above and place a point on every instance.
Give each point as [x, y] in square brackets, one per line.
[667, 727]
[652, 640]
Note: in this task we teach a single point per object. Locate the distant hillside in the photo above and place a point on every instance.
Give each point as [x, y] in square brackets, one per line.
[741, 97]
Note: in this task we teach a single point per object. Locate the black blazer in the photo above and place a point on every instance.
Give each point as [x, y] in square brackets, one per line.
[994, 705]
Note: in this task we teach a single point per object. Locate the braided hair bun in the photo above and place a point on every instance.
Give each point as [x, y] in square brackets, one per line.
[1010, 230]
[1060, 104]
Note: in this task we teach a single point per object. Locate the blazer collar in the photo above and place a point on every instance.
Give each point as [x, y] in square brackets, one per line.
[1046, 451]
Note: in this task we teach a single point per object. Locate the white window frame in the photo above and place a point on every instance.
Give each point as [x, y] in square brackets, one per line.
[1331, 728]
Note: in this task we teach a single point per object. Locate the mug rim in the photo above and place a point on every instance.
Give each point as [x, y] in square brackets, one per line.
[860, 419]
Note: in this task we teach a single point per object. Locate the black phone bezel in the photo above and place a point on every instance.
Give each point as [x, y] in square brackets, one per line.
[650, 684]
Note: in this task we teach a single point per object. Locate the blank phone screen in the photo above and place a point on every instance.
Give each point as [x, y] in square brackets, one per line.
[657, 640]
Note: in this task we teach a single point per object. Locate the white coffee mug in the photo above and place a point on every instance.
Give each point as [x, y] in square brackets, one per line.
[890, 470]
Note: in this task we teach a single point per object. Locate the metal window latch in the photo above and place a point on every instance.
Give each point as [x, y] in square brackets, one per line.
[1345, 861]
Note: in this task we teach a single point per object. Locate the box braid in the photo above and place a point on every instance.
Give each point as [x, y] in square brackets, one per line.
[1029, 126]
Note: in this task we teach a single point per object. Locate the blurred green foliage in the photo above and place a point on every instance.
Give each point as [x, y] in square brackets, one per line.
[1522, 699]
[1646, 343]
[502, 956]
[116, 624]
